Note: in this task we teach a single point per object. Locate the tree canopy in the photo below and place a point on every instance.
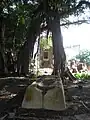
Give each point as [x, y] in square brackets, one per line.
[16, 16]
[22, 21]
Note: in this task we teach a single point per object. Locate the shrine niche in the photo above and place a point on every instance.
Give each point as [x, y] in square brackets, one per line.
[46, 58]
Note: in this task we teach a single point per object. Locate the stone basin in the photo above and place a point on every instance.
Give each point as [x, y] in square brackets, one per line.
[45, 94]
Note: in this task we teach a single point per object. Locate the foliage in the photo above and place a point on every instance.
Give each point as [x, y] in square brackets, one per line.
[83, 76]
[17, 20]
[46, 43]
[84, 56]
[17, 17]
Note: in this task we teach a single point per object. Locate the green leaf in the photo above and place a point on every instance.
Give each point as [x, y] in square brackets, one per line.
[23, 20]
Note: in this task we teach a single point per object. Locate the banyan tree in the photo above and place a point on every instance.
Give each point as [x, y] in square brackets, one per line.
[29, 18]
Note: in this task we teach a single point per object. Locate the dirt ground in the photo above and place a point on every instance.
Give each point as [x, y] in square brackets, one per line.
[11, 95]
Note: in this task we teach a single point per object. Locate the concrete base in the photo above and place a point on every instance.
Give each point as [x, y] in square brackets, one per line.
[32, 98]
[54, 98]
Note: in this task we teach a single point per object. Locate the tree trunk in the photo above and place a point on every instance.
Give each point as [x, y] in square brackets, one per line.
[24, 55]
[58, 50]
[2, 45]
[27, 51]
[1, 64]
[25, 59]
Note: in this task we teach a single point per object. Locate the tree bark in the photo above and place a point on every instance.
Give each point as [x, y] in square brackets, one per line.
[58, 49]
[21, 57]
[2, 45]
[27, 51]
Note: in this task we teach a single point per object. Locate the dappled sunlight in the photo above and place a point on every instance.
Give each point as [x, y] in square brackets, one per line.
[45, 71]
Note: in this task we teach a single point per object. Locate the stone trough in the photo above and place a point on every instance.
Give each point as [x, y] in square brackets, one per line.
[45, 94]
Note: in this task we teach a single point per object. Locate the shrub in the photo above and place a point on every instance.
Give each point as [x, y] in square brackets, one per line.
[82, 75]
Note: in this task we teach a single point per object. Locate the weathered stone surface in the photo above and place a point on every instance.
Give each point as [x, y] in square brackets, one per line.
[32, 98]
[55, 99]
[52, 99]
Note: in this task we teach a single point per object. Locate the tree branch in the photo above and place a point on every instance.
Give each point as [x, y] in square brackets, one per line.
[77, 7]
[82, 2]
[74, 22]
[37, 47]
[43, 28]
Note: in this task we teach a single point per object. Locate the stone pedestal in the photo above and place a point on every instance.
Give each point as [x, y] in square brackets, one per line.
[52, 99]
[32, 98]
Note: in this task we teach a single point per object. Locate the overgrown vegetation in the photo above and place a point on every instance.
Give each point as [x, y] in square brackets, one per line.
[84, 56]
[82, 76]
[46, 43]
[21, 22]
